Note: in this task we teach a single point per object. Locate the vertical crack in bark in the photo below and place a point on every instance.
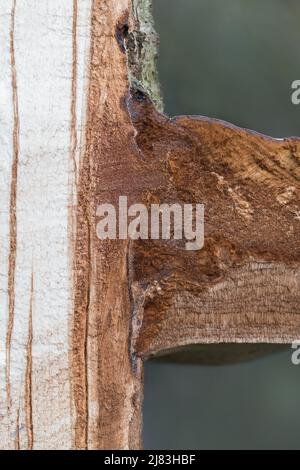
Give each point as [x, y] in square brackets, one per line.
[13, 203]
[74, 139]
[79, 334]
[81, 267]
[17, 438]
[28, 376]
[136, 298]
[86, 337]
[73, 182]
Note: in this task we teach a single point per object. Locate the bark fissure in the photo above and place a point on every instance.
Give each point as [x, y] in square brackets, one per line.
[17, 439]
[28, 376]
[82, 286]
[13, 203]
[74, 138]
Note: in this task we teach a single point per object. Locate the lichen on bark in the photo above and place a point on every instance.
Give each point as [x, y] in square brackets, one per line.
[142, 50]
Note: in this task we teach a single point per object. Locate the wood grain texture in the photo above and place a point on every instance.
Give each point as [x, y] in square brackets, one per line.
[244, 285]
[106, 386]
[79, 315]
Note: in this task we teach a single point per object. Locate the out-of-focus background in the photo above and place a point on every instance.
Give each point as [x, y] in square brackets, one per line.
[234, 60]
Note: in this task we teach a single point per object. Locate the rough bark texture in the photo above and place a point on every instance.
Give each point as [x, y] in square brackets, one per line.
[79, 316]
[106, 386]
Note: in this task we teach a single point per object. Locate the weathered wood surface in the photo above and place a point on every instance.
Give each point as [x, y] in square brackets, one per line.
[244, 285]
[79, 316]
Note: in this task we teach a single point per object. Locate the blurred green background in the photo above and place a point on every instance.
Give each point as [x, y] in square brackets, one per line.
[231, 59]
[234, 60]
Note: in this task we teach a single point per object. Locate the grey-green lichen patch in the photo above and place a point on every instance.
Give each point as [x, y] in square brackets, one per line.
[142, 50]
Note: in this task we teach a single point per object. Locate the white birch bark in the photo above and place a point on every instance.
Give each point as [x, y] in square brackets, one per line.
[44, 51]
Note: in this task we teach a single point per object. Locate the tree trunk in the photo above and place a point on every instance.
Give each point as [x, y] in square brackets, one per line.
[78, 128]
